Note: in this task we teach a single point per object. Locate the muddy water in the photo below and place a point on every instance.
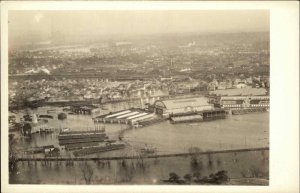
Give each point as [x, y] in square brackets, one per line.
[243, 131]
[235, 132]
[238, 165]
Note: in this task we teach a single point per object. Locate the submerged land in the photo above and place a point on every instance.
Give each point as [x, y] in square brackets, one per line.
[128, 106]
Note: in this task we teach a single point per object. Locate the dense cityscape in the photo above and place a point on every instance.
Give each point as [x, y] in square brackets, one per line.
[139, 97]
[149, 96]
[66, 101]
[124, 70]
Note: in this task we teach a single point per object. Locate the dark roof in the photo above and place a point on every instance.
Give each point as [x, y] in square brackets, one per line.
[48, 146]
[255, 101]
[235, 101]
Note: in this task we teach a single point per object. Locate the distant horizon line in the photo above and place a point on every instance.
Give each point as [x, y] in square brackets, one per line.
[188, 32]
[133, 36]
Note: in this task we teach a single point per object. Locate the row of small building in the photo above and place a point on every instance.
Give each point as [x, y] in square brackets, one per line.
[169, 108]
[187, 109]
[130, 116]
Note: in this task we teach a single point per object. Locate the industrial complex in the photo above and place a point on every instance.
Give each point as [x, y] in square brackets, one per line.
[187, 109]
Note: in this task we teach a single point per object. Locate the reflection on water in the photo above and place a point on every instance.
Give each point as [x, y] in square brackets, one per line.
[240, 165]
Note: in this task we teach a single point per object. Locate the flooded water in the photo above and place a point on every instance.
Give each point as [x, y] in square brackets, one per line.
[240, 131]
[240, 165]
[235, 132]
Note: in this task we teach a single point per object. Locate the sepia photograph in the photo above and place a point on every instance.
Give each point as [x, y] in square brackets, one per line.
[139, 97]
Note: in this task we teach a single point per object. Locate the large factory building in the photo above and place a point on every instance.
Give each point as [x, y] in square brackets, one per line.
[243, 102]
[178, 106]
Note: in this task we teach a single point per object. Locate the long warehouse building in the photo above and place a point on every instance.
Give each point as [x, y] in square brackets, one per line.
[185, 105]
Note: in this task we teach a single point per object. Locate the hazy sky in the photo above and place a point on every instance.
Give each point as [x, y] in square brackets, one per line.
[45, 25]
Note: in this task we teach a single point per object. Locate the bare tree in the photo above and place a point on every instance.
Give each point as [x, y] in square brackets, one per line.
[195, 165]
[87, 172]
[256, 172]
[12, 153]
[219, 162]
[197, 175]
[187, 178]
[173, 177]
[210, 161]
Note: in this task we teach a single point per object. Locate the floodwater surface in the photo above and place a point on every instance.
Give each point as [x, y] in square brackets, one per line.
[234, 132]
